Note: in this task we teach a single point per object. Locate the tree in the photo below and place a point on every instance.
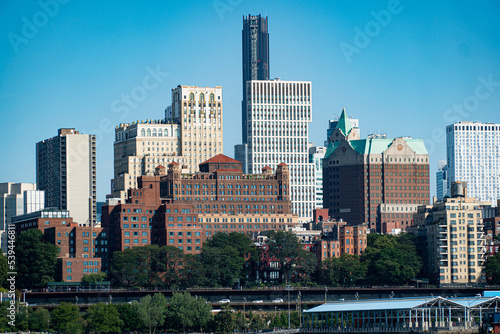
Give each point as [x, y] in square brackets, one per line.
[344, 270]
[492, 269]
[391, 260]
[152, 311]
[224, 320]
[93, 278]
[104, 318]
[39, 320]
[36, 260]
[131, 321]
[287, 249]
[188, 312]
[222, 265]
[134, 267]
[3, 269]
[66, 318]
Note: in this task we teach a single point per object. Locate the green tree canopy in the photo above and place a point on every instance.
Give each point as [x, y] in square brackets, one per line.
[152, 311]
[3, 269]
[104, 318]
[293, 260]
[36, 260]
[391, 260]
[66, 318]
[222, 266]
[188, 312]
[344, 270]
[492, 269]
[39, 320]
[225, 320]
[93, 278]
[131, 321]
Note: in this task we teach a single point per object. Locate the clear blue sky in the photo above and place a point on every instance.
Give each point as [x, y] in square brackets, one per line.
[70, 67]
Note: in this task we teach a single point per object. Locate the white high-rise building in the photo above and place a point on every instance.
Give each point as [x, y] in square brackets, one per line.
[66, 171]
[441, 180]
[473, 156]
[316, 155]
[17, 199]
[279, 113]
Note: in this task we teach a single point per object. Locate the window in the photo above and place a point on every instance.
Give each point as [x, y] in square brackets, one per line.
[68, 278]
[68, 263]
[68, 270]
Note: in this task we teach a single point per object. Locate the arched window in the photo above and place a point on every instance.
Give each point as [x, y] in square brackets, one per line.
[154, 132]
[191, 97]
[166, 133]
[149, 132]
[160, 133]
[212, 97]
[143, 132]
[202, 98]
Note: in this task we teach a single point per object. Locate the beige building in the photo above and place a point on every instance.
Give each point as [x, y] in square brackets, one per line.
[454, 238]
[66, 171]
[139, 148]
[199, 113]
[190, 134]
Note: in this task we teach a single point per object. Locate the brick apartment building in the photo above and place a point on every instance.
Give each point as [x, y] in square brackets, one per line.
[81, 247]
[183, 210]
[361, 174]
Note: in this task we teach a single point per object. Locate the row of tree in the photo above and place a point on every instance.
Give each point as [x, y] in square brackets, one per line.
[229, 258]
[182, 312]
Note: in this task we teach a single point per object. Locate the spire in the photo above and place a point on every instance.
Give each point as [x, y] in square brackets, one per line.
[344, 124]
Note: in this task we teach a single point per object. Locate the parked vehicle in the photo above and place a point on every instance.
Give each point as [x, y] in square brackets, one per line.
[278, 300]
[223, 301]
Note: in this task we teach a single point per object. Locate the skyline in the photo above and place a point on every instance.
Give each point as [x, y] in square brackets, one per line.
[78, 65]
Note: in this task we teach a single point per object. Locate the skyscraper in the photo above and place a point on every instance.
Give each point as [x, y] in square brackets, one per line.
[66, 171]
[473, 151]
[441, 180]
[279, 113]
[255, 39]
[316, 155]
[360, 175]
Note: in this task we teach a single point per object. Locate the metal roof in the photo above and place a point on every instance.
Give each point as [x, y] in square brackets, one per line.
[399, 304]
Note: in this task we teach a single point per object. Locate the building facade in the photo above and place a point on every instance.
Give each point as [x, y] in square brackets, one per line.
[17, 199]
[454, 246]
[279, 113]
[82, 248]
[191, 132]
[66, 171]
[472, 155]
[139, 148]
[361, 174]
[255, 51]
[316, 155]
[442, 180]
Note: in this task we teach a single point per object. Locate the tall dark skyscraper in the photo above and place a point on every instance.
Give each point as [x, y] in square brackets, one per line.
[255, 57]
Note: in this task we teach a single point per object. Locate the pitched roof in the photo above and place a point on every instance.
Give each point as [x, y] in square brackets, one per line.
[173, 163]
[221, 158]
[159, 166]
[344, 124]
[266, 167]
[282, 164]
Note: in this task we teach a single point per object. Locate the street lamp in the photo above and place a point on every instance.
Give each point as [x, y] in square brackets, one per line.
[326, 291]
[300, 316]
[288, 287]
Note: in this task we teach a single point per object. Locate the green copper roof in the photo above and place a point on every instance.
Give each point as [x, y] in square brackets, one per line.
[417, 145]
[331, 148]
[344, 124]
[377, 146]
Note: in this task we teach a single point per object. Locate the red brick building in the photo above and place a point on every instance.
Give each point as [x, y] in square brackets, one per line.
[221, 187]
[361, 174]
[80, 247]
[343, 239]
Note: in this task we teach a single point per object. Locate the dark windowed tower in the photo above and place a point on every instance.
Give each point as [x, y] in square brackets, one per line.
[255, 57]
